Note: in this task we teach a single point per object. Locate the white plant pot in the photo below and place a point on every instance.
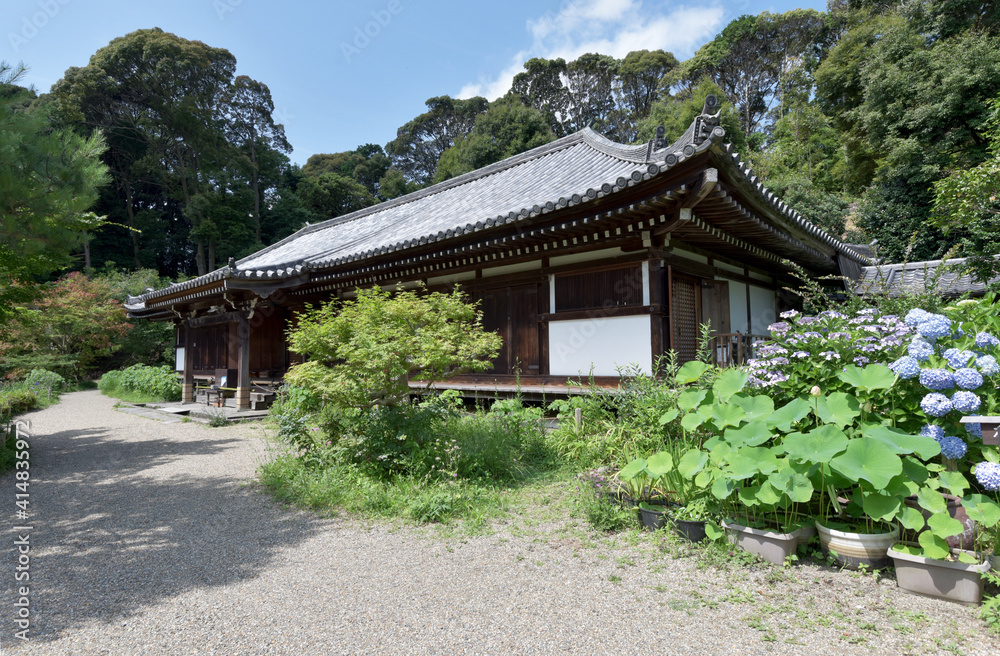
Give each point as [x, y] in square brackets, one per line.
[854, 550]
[943, 579]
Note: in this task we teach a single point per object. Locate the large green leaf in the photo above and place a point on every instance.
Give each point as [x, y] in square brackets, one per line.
[729, 382]
[632, 469]
[872, 377]
[691, 463]
[669, 416]
[713, 531]
[689, 399]
[767, 495]
[726, 414]
[982, 509]
[748, 496]
[915, 470]
[741, 466]
[931, 500]
[953, 481]
[868, 460]
[944, 525]
[752, 434]
[659, 464]
[881, 507]
[690, 372]
[903, 443]
[795, 486]
[911, 518]
[722, 488]
[838, 408]
[819, 445]
[788, 414]
[766, 460]
[934, 546]
[756, 407]
[691, 421]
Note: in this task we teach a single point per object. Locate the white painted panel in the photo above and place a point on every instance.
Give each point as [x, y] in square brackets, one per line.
[179, 365]
[589, 256]
[604, 344]
[645, 283]
[762, 314]
[688, 255]
[738, 307]
[552, 293]
[453, 278]
[512, 268]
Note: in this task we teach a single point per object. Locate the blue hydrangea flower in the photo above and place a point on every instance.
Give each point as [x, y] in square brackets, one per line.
[932, 431]
[915, 316]
[906, 367]
[967, 378]
[953, 447]
[861, 360]
[937, 379]
[975, 430]
[965, 402]
[958, 359]
[986, 340]
[988, 365]
[936, 404]
[921, 349]
[781, 327]
[935, 326]
[988, 475]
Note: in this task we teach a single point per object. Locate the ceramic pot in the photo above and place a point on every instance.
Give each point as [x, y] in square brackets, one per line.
[854, 550]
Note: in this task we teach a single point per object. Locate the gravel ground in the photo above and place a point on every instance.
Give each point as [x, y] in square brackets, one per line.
[151, 538]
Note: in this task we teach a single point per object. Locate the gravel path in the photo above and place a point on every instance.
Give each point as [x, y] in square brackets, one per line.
[151, 538]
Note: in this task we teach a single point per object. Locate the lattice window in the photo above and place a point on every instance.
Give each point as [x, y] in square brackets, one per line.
[685, 313]
[599, 289]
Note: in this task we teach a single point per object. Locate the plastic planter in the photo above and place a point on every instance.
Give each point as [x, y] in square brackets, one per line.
[653, 519]
[943, 579]
[772, 546]
[690, 530]
[854, 550]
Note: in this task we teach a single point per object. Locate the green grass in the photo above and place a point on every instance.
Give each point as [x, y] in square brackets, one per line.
[132, 397]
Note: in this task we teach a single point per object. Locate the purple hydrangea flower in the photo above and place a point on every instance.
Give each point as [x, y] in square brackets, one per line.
[830, 355]
[933, 431]
[986, 340]
[861, 360]
[812, 335]
[800, 354]
[965, 402]
[967, 378]
[953, 447]
[975, 430]
[988, 475]
[906, 367]
[840, 335]
[915, 316]
[789, 314]
[935, 404]
[807, 321]
[868, 312]
[988, 365]
[921, 349]
[781, 327]
[937, 379]
[833, 313]
[935, 326]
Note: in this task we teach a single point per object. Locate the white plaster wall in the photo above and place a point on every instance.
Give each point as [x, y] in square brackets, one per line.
[604, 343]
[179, 364]
[603, 254]
[762, 314]
[737, 307]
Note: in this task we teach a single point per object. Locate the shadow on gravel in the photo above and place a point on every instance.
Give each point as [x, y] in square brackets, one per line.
[111, 536]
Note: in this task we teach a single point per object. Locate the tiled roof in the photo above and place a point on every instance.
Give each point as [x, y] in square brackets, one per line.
[943, 277]
[578, 168]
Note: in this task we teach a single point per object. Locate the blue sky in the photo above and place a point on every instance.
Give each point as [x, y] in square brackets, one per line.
[336, 87]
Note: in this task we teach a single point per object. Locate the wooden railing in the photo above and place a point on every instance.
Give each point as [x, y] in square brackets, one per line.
[729, 349]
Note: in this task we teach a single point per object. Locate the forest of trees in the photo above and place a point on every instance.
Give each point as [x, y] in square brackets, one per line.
[876, 119]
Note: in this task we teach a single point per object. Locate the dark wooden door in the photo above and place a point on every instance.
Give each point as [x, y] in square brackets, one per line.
[715, 305]
[685, 312]
[512, 313]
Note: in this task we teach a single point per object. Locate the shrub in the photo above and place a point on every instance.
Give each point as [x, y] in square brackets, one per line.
[15, 400]
[47, 379]
[154, 383]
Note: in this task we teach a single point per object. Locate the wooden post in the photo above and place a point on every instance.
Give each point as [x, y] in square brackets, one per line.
[243, 385]
[187, 386]
[990, 426]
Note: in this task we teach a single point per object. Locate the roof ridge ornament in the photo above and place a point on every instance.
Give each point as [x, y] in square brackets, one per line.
[707, 120]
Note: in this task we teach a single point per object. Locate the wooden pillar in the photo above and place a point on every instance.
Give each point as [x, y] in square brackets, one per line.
[243, 386]
[187, 386]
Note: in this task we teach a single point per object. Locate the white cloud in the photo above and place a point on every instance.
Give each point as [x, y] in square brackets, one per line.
[608, 27]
